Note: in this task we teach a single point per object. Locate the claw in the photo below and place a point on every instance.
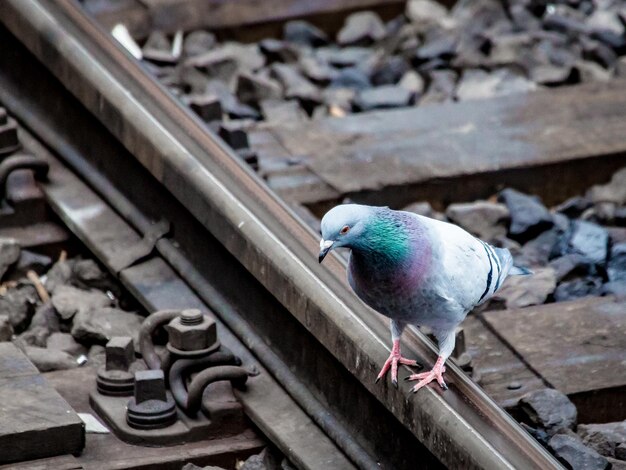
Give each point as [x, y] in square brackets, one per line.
[427, 377]
[392, 362]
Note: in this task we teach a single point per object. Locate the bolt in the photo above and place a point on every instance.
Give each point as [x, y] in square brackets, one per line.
[114, 379]
[120, 353]
[191, 317]
[191, 331]
[514, 386]
[149, 385]
[151, 407]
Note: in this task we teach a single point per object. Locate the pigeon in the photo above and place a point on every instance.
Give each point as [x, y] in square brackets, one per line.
[415, 270]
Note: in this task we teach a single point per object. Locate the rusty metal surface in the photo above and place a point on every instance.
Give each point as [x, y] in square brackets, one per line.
[158, 287]
[32, 411]
[462, 427]
[106, 452]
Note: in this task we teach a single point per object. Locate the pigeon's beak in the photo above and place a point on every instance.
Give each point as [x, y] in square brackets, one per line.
[325, 247]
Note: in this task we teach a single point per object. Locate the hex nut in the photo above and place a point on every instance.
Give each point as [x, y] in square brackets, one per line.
[192, 337]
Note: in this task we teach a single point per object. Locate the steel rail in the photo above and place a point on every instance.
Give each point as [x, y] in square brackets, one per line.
[462, 427]
[36, 104]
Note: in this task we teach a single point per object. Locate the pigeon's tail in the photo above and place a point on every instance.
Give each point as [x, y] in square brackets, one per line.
[519, 271]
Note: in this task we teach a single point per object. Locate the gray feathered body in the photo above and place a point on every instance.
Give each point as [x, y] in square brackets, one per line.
[420, 271]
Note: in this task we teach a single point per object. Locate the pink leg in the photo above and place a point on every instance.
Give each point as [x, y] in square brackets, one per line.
[427, 377]
[392, 362]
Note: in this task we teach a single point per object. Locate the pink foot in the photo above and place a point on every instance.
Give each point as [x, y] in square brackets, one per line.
[427, 377]
[392, 362]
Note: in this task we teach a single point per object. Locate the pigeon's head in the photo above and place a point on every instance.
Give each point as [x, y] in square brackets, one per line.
[342, 226]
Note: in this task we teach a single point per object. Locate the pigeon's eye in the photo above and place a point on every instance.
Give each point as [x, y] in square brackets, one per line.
[345, 229]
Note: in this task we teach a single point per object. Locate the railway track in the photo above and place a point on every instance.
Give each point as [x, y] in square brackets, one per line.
[233, 249]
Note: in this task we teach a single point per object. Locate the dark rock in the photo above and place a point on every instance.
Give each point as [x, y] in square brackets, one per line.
[351, 77]
[511, 245]
[484, 219]
[426, 12]
[389, 71]
[362, 28]
[9, 254]
[578, 288]
[279, 111]
[278, 51]
[598, 52]
[339, 97]
[158, 48]
[589, 240]
[295, 84]
[65, 342]
[413, 82]
[101, 324]
[620, 451]
[191, 466]
[421, 208]
[31, 261]
[88, 273]
[616, 289]
[266, 460]
[230, 104]
[45, 316]
[35, 336]
[575, 455]
[478, 84]
[617, 464]
[304, 33]
[6, 329]
[572, 265]
[345, 57]
[252, 89]
[529, 217]
[317, 70]
[574, 206]
[441, 87]
[605, 437]
[187, 79]
[60, 274]
[616, 268]
[614, 191]
[524, 291]
[619, 216]
[565, 19]
[539, 434]
[508, 49]
[548, 409]
[441, 47]
[197, 43]
[157, 40]
[388, 96]
[69, 300]
[97, 356]
[234, 134]
[480, 17]
[617, 234]
[523, 19]
[207, 106]
[605, 20]
[217, 64]
[540, 250]
[551, 75]
[48, 359]
[620, 67]
[19, 304]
